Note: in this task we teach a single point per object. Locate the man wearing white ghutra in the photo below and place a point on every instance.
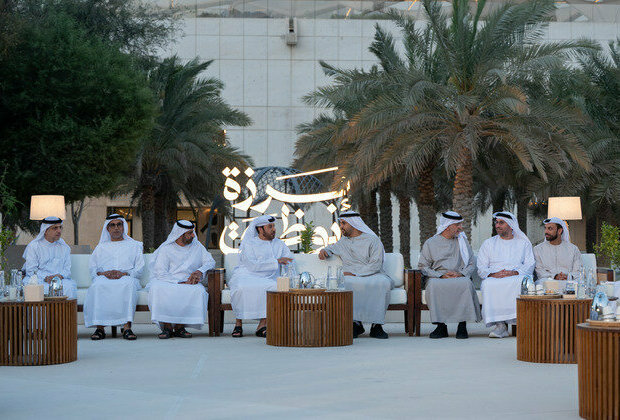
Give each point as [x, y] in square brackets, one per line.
[362, 255]
[177, 299]
[115, 267]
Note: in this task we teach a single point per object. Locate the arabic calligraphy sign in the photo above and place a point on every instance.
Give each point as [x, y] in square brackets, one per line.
[286, 206]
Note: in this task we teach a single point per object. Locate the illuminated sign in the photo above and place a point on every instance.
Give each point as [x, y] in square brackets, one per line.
[291, 230]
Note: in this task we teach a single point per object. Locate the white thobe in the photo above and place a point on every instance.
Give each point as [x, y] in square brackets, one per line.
[555, 259]
[108, 301]
[363, 257]
[499, 295]
[47, 258]
[256, 273]
[170, 301]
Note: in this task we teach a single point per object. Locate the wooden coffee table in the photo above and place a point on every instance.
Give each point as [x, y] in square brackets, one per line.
[38, 333]
[598, 363]
[310, 318]
[546, 328]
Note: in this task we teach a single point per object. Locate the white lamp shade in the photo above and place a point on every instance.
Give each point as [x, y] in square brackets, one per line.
[566, 208]
[42, 206]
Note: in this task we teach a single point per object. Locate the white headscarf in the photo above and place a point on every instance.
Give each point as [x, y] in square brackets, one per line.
[251, 232]
[105, 235]
[565, 233]
[47, 223]
[354, 219]
[449, 218]
[511, 219]
[180, 227]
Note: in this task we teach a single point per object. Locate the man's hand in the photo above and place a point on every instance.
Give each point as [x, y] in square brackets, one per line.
[194, 278]
[451, 274]
[112, 274]
[561, 276]
[284, 260]
[323, 255]
[346, 273]
[49, 278]
[504, 273]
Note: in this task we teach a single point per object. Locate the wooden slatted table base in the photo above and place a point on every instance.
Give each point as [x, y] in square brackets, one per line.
[38, 333]
[546, 329]
[310, 319]
[598, 364]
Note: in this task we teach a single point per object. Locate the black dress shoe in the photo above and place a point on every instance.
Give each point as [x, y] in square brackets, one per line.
[461, 331]
[376, 331]
[358, 329]
[440, 332]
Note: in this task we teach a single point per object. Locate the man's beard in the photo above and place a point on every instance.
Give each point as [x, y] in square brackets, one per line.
[551, 238]
[187, 241]
[504, 233]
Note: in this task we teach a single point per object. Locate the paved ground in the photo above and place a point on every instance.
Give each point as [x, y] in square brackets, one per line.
[228, 378]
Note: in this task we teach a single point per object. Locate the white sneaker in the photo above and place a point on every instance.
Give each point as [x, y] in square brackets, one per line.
[500, 331]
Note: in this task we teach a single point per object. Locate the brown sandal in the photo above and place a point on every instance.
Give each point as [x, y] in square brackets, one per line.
[99, 334]
[165, 334]
[182, 333]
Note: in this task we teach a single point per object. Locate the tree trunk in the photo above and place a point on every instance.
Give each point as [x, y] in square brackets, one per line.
[160, 231]
[522, 216]
[364, 208]
[463, 191]
[76, 214]
[373, 220]
[385, 212]
[404, 227]
[427, 209]
[148, 217]
[590, 234]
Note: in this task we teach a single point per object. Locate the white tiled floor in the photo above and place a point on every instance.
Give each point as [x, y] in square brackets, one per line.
[222, 377]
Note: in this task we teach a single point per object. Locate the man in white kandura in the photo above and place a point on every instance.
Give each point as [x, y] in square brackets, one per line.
[362, 255]
[48, 256]
[115, 267]
[448, 263]
[177, 299]
[556, 257]
[261, 254]
[503, 261]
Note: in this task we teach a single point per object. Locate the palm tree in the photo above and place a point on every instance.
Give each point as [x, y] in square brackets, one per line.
[352, 91]
[183, 156]
[482, 104]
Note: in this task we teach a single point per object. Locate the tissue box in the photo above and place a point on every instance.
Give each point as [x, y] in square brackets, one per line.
[552, 285]
[33, 292]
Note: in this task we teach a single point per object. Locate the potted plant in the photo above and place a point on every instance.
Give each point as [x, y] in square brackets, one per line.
[609, 247]
[306, 238]
[7, 236]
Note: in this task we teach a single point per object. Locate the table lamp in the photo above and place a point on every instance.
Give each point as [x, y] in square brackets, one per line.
[42, 206]
[566, 208]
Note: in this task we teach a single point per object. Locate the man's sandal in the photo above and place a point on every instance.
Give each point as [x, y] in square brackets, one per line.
[128, 334]
[182, 332]
[237, 332]
[99, 334]
[165, 334]
[261, 332]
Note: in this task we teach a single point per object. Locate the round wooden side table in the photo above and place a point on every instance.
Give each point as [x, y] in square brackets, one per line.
[310, 318]
[38, 333]
[546, 328]
[598, 364]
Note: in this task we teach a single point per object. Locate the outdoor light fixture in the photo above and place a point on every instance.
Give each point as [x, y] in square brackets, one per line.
[566, 208]
[42, 206]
